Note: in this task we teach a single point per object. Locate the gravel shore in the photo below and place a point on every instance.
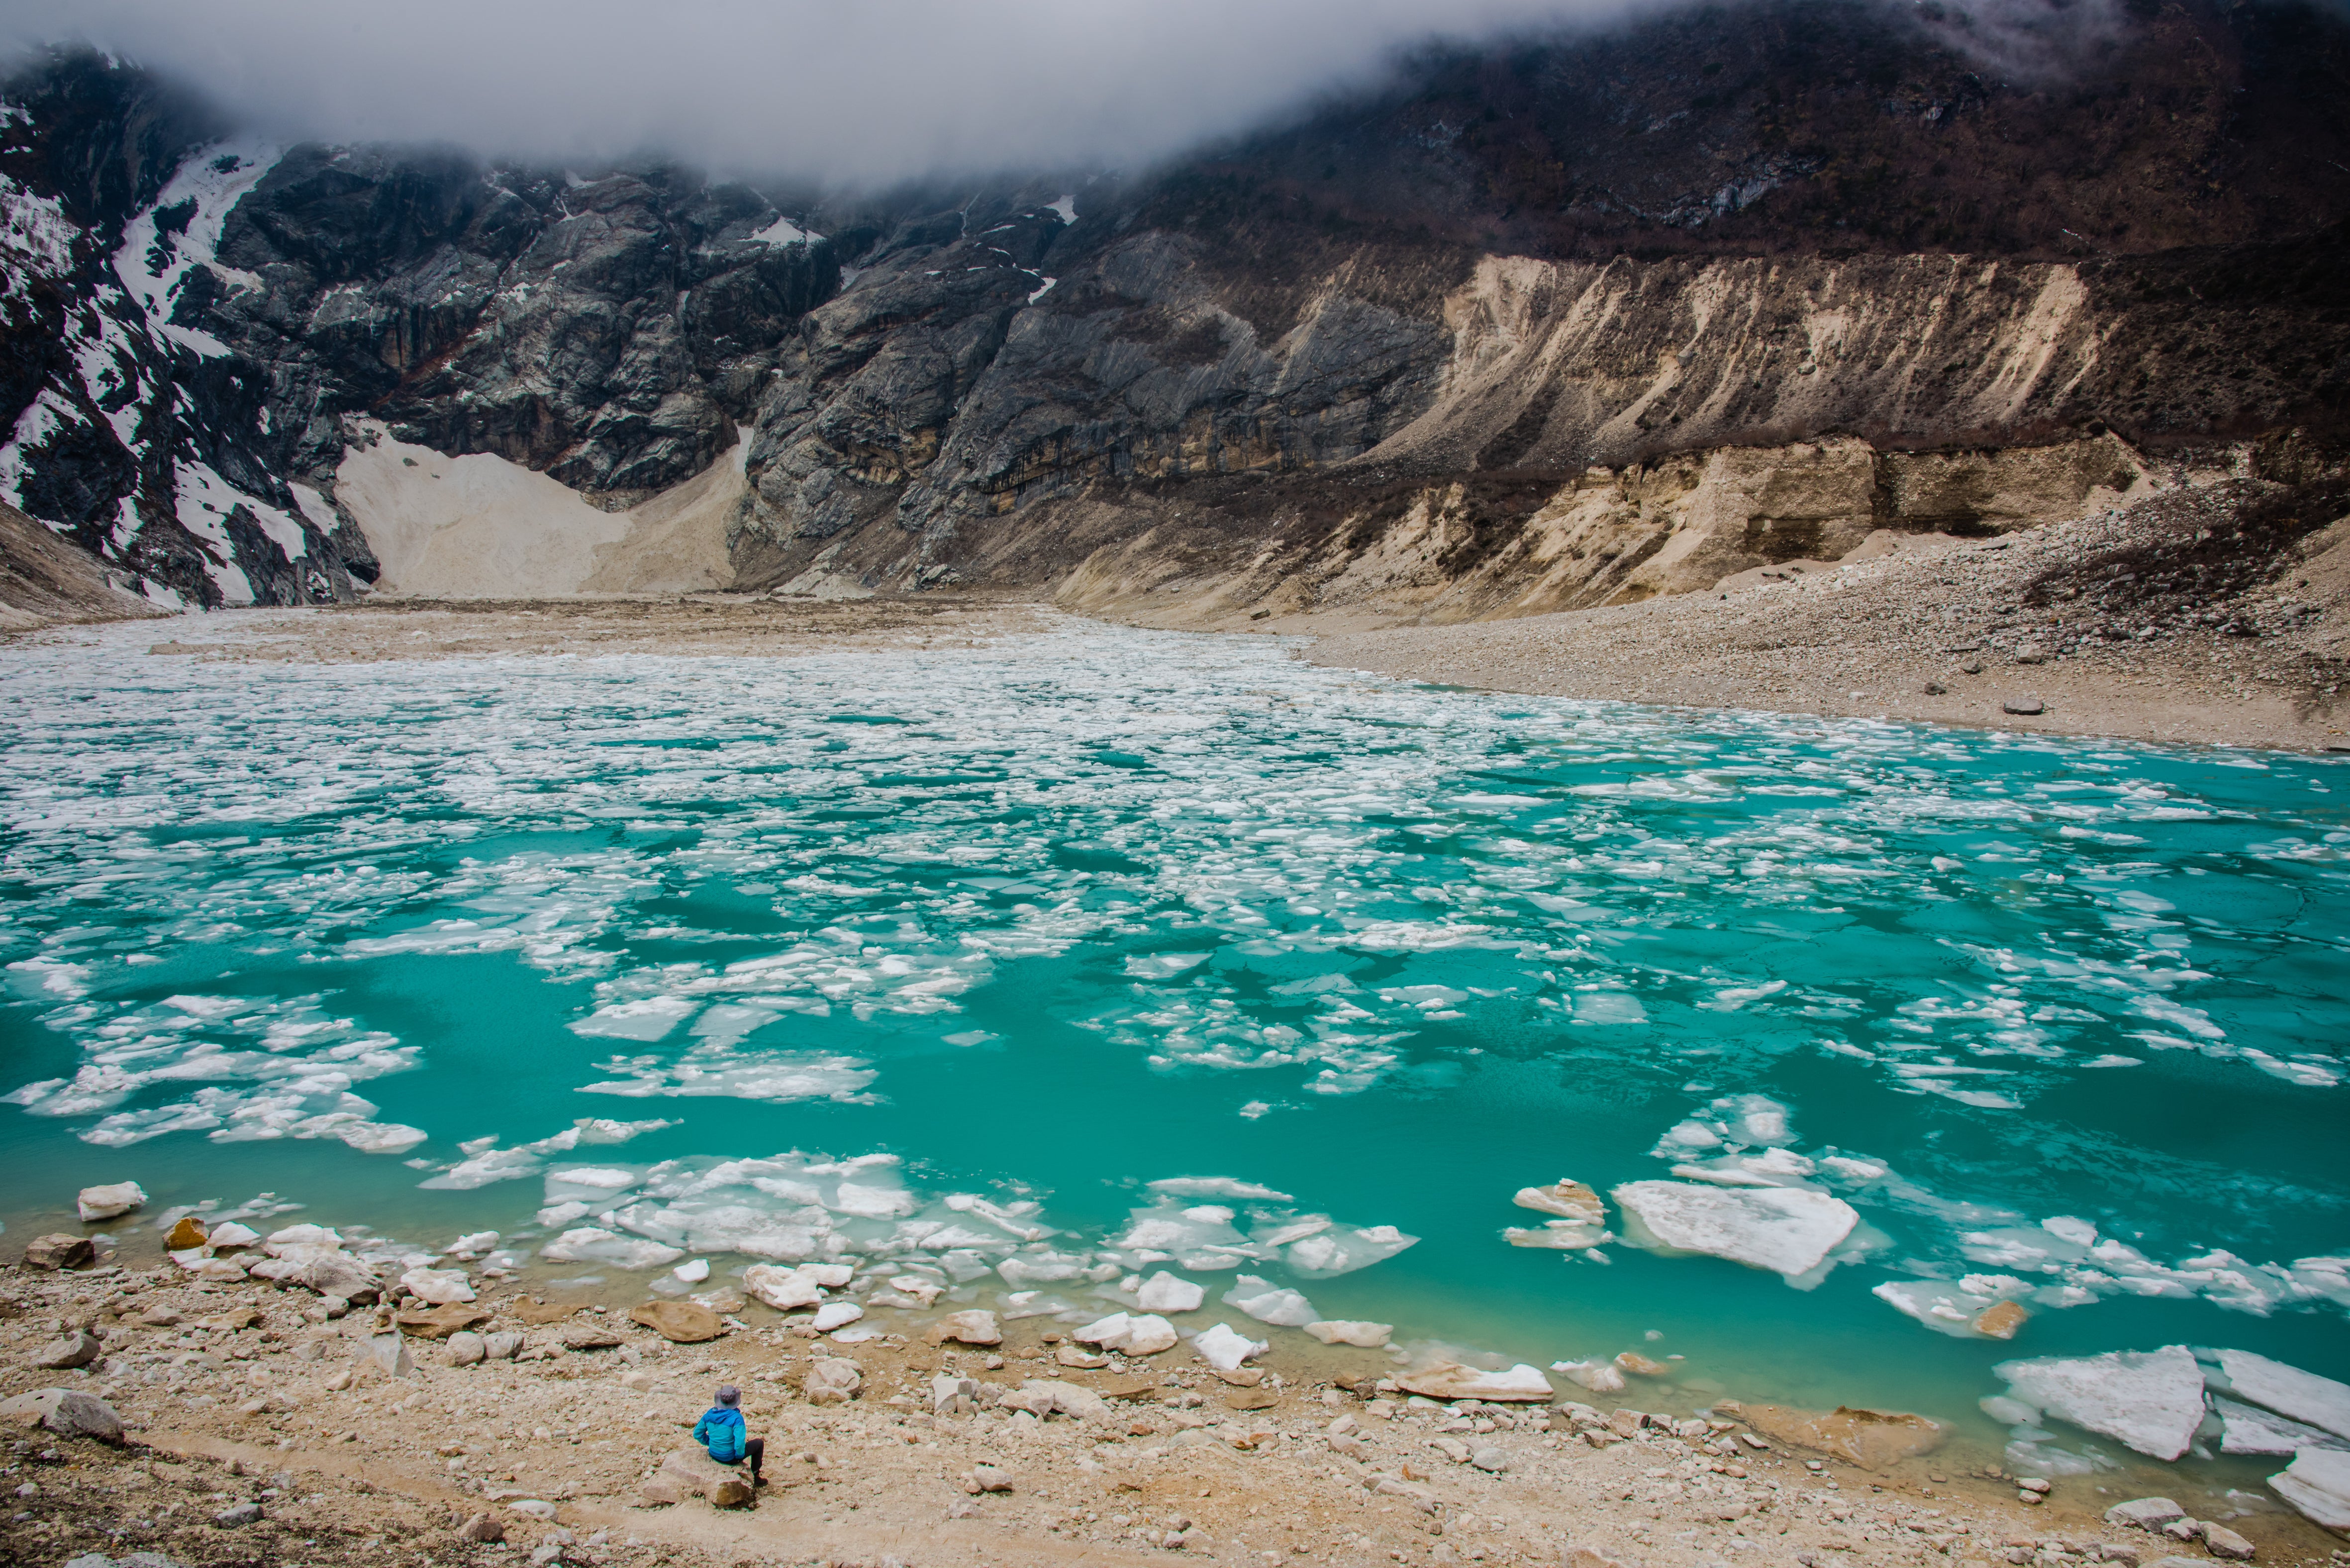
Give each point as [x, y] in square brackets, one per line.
[2208, 615]
[261, 1429]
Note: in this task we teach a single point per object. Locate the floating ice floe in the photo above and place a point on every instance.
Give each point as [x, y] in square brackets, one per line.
[2317, 1482]
[1223, 1349]
[1598, 1375]
[1163, 1291]
[1268, 1302]
[2150, 1400]
[485, 1163]
[1979, 1306]
[1789, 1231]
[2304, 1396]
[2247, 1430]
[1581, 1223]
[588, 1244]
[724, 1069]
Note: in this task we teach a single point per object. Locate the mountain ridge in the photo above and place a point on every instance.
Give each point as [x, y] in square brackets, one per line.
[1528, 261]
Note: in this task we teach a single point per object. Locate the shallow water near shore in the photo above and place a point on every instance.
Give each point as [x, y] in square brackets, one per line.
[1324, 955]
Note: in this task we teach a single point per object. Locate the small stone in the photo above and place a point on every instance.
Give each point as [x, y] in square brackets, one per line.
[2027, 707]
[1070, 1356]
[973, 1327]
[1972, 666]
[2184, 1530]
[2030, 653]
[501, 1346]
[733, 1492]
[831, 1381]
[481, 1528]
[388, 1352]
[965, 1508]
[1639, 1366]
[59, 1251]
[2035, 1483]
[236, 1514]
[186, 1236]
[586, 1336]
[679, 1323]
[953, 1395]
[2222, 1541]
[106, 1202]
[78, 1348]
[987, 1478]
[1491, 1461]
[2033, 1498]
[2145, 1512]
[466, 1348]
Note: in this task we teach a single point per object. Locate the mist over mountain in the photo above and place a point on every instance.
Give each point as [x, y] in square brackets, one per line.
[874, 94]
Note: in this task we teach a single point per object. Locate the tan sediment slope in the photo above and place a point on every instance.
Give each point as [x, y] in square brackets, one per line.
[45, 581]
[2125, 623]
[482, 527]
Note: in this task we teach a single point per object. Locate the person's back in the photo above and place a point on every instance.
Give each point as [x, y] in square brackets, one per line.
[727, 1438]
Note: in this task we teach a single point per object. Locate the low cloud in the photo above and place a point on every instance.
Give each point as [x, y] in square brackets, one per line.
[858, 92]
[842, 91]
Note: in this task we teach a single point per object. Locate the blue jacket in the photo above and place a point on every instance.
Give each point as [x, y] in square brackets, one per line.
[721, 1431]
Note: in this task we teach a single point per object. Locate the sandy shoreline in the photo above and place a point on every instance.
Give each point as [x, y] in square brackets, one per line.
[353, 1445]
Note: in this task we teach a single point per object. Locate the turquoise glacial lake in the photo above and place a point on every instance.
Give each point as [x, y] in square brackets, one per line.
[641, 959]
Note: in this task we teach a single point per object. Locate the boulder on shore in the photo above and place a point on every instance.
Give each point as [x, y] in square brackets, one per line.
[58, 1250]
[1871, 1440]
[68, 1412]
[680, 1323]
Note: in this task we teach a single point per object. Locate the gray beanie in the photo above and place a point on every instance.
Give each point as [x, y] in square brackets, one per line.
[729, 1395]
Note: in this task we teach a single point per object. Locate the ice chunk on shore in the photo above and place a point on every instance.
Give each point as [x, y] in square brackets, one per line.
[1346, 1330]
[1140, 1333]
[1223, 1349]
[1163, 1291]
[1789, 1231]
[782, 1289]
[441, 1287]
[1449, 1380]
[2317, 1482]
[2288, 1390]
[1268, 1302]
[2151, 1400]
[1597, 1375]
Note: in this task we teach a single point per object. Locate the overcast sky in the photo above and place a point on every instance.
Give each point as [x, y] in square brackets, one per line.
[837, 90]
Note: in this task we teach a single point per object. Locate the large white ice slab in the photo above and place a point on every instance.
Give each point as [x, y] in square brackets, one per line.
[2151, 1400]
[1789, 1231]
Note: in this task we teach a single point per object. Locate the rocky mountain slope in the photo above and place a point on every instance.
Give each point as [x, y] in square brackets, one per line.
[1566, 323]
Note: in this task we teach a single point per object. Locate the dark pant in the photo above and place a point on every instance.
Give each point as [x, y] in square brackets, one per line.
[755, 1450]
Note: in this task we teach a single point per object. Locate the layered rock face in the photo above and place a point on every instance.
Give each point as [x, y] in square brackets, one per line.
[1563, 323]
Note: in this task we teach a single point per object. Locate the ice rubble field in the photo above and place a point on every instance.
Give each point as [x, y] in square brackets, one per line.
[634, 961]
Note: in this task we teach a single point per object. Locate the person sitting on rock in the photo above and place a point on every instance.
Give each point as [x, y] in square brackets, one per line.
[721, 1431]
